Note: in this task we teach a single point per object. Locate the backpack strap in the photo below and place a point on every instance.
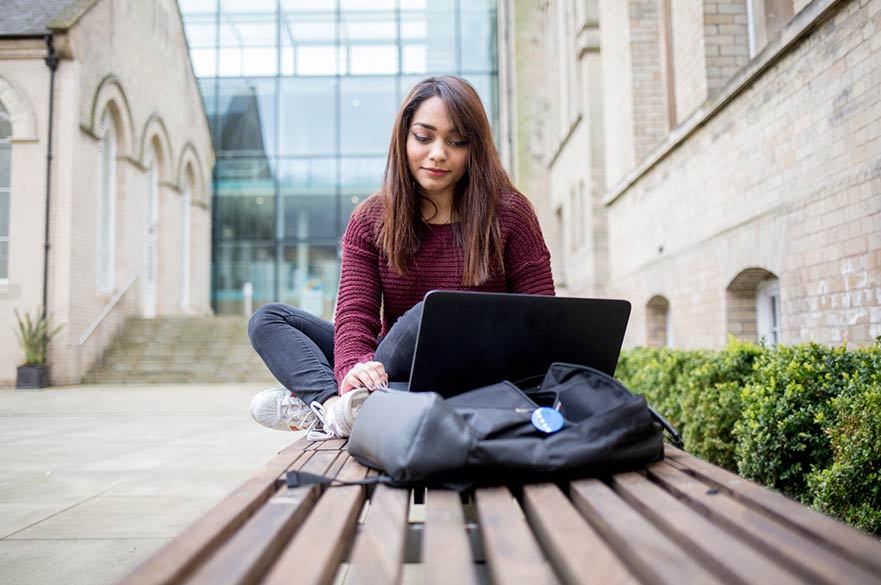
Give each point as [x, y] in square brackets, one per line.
[673, 435]
[301, 478]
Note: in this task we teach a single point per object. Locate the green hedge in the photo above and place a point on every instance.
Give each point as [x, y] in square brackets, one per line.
[805, 419]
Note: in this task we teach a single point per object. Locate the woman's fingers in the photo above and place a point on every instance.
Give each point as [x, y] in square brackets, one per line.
[370, 375]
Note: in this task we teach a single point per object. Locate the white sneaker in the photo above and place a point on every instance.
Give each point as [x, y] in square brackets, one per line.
[278, 409]
[337, 421]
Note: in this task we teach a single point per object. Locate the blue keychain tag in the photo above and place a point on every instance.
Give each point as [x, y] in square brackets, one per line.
[547, 420]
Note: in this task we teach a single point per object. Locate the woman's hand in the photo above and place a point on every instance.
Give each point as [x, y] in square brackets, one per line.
[370, 375]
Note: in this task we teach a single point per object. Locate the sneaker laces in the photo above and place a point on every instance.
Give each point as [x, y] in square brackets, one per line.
[327, 430]
[336, 421]
[294, 412]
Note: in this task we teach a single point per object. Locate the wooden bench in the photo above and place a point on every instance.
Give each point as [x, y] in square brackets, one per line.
[678, 521]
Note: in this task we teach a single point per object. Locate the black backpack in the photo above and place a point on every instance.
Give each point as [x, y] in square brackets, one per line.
[578, 422]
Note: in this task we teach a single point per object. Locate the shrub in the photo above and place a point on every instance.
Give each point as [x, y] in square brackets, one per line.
[780, 435]
[711, 402]
[658, 373]
[851, 487]
[698, 392]
[802, 419]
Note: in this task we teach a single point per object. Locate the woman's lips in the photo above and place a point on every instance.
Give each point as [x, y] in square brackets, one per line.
[435, 172]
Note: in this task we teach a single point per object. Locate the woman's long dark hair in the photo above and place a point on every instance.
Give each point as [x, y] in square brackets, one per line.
[476, 197]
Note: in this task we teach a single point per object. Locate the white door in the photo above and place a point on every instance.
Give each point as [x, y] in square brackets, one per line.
[150, 271]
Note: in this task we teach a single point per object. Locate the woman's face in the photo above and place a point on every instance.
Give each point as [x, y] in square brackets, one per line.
[436, 153]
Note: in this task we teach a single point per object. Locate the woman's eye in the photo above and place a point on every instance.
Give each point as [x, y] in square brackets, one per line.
[421, 138]
[459, 143]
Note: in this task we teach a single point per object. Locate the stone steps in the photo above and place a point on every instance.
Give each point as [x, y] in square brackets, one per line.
[181, 350]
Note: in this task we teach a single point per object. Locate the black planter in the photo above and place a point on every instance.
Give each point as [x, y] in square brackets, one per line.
[32, 376]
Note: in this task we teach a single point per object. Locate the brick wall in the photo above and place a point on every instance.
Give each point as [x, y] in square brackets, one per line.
[786, 178]
[142, 46]
[649, 119]
[726, 41]
[617, 88]
[689, 59]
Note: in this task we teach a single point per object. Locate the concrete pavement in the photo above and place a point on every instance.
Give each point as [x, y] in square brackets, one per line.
[93, 479]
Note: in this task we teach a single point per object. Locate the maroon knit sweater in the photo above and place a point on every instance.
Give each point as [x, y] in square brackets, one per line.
[372, 296]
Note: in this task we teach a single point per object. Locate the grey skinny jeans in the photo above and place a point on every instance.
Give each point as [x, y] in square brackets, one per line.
[297, 347]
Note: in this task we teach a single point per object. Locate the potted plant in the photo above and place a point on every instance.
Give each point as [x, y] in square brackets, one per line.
[34, 338]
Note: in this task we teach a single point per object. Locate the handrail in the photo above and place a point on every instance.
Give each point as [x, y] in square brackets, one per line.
[105, 311]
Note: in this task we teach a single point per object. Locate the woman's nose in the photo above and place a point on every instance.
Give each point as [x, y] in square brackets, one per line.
[438, 152]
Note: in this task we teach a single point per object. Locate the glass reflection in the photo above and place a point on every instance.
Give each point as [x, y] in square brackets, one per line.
[236, 263]
[477, 34]
[247, 117]
[367, 112]
[428, 37]
[359, 179]
[301, 96]
[245, 200]
[307, 115]
[309, 277]
[308, 190]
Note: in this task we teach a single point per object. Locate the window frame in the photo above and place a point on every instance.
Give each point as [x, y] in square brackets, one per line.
[6, 141]
[768, 311]
[105, 266]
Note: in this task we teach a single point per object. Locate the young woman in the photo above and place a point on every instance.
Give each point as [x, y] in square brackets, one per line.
[446, 217]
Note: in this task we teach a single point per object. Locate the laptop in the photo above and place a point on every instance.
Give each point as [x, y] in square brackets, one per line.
[470, 339]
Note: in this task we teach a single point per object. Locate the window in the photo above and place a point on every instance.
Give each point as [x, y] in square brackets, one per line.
[768, 311]
[659, 332]
[668, 74]
[5, 186]
[766, 18]
[753, 306]
[186, 242]
[107, 206]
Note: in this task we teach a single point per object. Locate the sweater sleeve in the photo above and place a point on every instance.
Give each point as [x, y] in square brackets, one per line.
[527, 259]
[357, 322]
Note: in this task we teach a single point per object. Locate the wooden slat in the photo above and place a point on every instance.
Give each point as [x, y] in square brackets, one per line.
[173, 562]
[351, 470]
[250, 552]
[446, 551]
[378, 555]
[851, 543]
[646, 550]
[330, 445]
[724, 553]
[315, 552]
[812, 560]
[578, 553]
[512, 553]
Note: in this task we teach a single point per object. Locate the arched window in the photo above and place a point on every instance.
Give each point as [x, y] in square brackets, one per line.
[107, 206]
[5, 186]
[151, 248]
[186, 240]
[768, 310]
[753, 306]
[658, 329]
[766, 18]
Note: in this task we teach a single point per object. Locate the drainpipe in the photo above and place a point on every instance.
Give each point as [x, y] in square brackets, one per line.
[52, 63]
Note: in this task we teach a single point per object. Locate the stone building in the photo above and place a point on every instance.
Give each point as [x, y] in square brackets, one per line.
[129, 173]
[716, 162]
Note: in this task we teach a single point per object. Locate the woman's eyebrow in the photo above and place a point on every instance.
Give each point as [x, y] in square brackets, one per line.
[432, 128]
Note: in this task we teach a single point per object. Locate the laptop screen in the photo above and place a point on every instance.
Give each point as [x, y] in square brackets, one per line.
[468, 339]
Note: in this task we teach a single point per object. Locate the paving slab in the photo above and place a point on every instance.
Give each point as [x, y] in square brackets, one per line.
[93, 479]
[72, 562]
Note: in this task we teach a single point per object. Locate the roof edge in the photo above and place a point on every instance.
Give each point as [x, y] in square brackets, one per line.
[70, 15]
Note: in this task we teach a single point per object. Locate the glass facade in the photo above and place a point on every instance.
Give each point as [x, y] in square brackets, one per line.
[301, 96]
